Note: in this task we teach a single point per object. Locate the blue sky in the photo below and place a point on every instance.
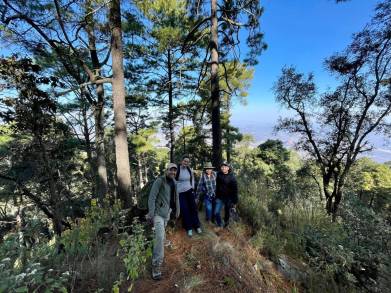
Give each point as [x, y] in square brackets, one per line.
[301, 33]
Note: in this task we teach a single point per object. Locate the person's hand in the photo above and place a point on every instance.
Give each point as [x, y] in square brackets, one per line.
[197, 201]
[149, 219]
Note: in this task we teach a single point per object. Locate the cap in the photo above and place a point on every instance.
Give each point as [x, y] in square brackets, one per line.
[171, 165]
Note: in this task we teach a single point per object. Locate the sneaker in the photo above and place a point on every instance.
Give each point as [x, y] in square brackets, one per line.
[156, 273]
[190, 233]
[199, 231]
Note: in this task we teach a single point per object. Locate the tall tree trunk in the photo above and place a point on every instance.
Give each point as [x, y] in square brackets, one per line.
[101, 179]
[140, 173]
[170, 101]
[146, 180]
[228, 150]
[372, 199]
[55, 199]
[86, 133]
[215, 90]
[100, 150]
[184, 136]
[118, 82]
[329, 197]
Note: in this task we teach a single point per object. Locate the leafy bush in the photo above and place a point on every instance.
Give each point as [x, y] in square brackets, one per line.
[35, 277]
[349, 255]
[136, 249]
[81, 254]
[84, 235]
[26, 268]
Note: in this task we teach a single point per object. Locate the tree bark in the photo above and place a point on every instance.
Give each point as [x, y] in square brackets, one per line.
[101, 176]
[118, 83]
[100, 151]
[215, 90]
[228, 150]
[170, 102]
[55, 199]
[146, 180]
[86, 133]
[140, 172]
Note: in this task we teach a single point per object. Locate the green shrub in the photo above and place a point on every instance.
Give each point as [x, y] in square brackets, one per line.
[269, 244]
[27, 268]
[136, 249]
[33, 278]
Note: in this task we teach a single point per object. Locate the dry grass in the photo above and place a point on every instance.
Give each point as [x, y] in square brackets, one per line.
[99, 271]
[222, 262]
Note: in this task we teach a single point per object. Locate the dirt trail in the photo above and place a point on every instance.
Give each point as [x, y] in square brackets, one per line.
[213, 262]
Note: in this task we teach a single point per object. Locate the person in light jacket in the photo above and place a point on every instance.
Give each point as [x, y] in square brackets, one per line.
[163, 199]
[185, 182]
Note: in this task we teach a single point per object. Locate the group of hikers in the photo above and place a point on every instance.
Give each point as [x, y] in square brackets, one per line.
[174, 194]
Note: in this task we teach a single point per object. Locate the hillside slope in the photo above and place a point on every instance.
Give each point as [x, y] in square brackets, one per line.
[213, 262]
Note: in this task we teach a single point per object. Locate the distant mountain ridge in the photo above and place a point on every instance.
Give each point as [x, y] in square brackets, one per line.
[381, 152]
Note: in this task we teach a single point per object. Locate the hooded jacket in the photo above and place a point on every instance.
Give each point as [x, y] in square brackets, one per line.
[159, 198]
[227, 187]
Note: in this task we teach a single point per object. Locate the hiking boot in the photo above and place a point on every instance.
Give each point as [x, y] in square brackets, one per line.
[199, 231]
[156, 273]
[190, 233]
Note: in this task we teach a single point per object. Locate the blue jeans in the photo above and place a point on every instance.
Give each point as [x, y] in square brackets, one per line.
[208, 202]
[219, 205]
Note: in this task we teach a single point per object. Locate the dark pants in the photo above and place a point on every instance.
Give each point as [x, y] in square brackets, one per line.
[219, 205]
[189, 210]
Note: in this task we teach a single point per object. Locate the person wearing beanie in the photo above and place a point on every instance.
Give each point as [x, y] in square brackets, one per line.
[163, 199]
[185, 183]
[226, 193]
[207, 189]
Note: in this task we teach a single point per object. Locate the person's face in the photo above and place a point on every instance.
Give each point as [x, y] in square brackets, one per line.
[172, 173]
[185, 162]
[224, 169]
[208, 171]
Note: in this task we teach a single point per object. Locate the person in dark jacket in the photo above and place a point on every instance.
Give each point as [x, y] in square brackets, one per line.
[226, 193]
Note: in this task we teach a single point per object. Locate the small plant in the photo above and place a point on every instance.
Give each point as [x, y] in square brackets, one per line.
[192, 282]
[136, 250]
[229, 281]
[191, 259]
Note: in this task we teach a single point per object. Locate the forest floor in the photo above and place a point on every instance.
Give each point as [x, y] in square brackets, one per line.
[214, 261]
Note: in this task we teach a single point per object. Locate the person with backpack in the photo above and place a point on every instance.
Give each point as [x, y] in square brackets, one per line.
[226, 193]
[163, 199]
[187, 200]
[206, 189]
